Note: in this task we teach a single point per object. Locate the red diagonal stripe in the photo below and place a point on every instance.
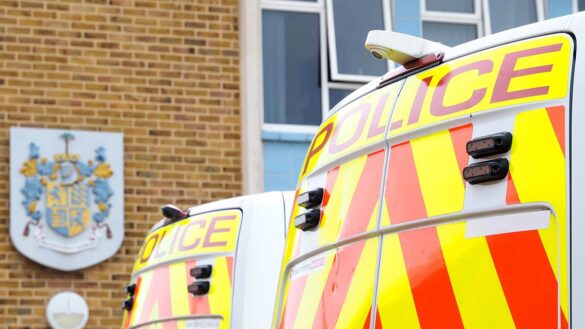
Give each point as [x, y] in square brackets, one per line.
[527, 278]
[230, 267]
[197, 304]
[403, 195]
[378, 324]
[365, 196]
[331, 178]
[368, 319]
[338, 282]
[359, 212]
[511, 193]
[556, 115]
[293, 301]
[564, 323]
[158, 295]
[378, 319]
[429, 280]
[329, 188]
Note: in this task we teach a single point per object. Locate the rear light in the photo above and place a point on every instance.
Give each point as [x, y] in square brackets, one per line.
[311, 198]
[486, 171]
[198, 288]
[308, 220]
[127, 304]
[489, 145]
[201, 272]
[131, 288]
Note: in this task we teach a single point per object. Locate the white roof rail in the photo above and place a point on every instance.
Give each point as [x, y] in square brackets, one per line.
[400, 48]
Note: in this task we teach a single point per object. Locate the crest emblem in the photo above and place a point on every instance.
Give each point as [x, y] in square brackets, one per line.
[67, 199]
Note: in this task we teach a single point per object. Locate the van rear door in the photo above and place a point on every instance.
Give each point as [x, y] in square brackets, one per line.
[492, 254]
[166, 293]
[329, 270]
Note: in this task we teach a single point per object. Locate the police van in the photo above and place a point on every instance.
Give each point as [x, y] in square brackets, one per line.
[448, 193]
[213, 266]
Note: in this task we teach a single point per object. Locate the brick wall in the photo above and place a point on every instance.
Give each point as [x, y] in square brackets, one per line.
[166, 74]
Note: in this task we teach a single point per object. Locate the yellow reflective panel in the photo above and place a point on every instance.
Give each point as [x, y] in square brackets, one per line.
[359, 124]
[358, 301]
[438, 172]
[333, 289]
[527, 71]
[395, 302]
[342, 194]
[220, 292]
[162, 293]
[214, 232]
[179, 299]
[316, 278]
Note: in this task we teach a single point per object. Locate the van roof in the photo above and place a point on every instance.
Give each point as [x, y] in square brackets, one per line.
[241, 202]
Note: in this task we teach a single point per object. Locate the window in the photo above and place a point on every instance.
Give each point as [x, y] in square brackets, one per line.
[516, 13]
[313, 55]
[450, 34]
[457, 21]
[453, 6]
[348, 25]
[292, 83]
[451, 22]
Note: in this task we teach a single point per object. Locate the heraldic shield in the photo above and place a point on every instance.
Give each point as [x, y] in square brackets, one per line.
[67, 202]
[68, 210]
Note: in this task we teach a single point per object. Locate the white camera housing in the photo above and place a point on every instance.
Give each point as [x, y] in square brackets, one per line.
[400, 48]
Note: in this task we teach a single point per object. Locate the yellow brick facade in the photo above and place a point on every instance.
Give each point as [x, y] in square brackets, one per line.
[166, 74]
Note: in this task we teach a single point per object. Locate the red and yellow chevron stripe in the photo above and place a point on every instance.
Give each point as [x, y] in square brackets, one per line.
[436, 277]
[428, 170]
[344, 278]
[162, 293]
[538, 174]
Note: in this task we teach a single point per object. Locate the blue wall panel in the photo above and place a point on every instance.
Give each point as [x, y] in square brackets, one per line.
[558, 8]
[407, 17]
[284, 154]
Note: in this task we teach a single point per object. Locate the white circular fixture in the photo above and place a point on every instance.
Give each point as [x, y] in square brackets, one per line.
[67, 310]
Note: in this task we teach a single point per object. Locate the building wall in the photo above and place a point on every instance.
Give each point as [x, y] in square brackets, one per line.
[166, 74]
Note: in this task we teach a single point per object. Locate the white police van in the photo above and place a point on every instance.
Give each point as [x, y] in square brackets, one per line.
[211, 266]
